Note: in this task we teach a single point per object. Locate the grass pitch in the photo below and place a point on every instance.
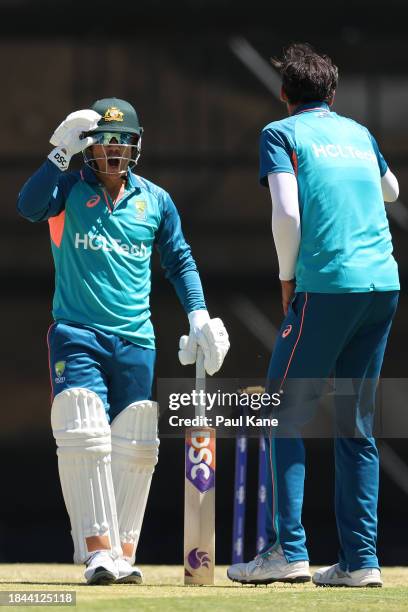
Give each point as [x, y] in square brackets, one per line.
[164, 591]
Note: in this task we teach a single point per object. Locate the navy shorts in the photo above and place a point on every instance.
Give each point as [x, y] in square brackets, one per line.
[119, 371]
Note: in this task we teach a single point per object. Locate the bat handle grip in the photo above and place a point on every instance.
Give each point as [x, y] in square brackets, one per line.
[200, 381]
[200, 369]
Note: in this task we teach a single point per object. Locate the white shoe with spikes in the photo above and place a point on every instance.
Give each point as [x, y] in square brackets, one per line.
[335, 577]
[269, 567]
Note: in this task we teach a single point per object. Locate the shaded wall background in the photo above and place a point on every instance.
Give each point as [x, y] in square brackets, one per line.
[202, 111]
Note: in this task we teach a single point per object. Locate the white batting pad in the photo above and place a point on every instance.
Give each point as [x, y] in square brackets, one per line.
[82, 433]
[135, 449]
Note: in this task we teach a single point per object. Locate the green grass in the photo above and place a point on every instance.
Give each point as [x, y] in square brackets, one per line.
[163, 591]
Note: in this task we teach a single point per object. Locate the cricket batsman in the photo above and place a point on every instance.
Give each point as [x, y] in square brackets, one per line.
[104, 221]
[328, 182]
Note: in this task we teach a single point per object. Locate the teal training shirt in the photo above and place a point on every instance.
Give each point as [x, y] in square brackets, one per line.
[345, 239]
[102, 253]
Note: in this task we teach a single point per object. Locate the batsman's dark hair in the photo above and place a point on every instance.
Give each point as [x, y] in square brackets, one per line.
[306, 74]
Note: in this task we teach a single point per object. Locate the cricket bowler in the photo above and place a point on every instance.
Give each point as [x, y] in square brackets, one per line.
[328, 183]
[104, 221]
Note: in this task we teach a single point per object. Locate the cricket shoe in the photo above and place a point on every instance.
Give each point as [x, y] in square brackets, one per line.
[101, 569]
[269, 567]
[128, 574]
[335, 577]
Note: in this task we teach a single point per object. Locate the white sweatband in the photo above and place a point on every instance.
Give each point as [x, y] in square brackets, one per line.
[59, 158]
[285, 221]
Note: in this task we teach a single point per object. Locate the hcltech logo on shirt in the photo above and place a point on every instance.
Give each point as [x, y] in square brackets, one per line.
[345, 151]
[101, 243]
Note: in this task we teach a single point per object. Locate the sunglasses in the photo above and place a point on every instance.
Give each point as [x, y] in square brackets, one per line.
[121, 138]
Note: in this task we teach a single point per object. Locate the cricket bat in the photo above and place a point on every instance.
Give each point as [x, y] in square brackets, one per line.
[199, 494]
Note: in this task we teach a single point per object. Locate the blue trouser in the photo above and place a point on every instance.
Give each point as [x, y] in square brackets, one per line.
[323, 334]
[119, 371]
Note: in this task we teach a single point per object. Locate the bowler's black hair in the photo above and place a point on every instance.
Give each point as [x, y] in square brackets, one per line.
[306, 74]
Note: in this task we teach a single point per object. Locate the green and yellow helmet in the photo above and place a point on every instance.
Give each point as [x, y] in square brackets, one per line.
[117, 116]
[120, 134]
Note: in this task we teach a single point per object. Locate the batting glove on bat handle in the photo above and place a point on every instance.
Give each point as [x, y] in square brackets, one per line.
[188, 344]
[188, 349]
[212, 337]
[214, 341]
[68, 137]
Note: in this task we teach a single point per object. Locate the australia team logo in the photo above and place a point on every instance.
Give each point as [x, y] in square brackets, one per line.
[113, 114]
[59, 368]
[141, 210]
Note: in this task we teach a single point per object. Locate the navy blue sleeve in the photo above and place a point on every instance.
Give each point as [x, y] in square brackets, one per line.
[176, 258]
[44, 194]
[380, 159]
[275, 153]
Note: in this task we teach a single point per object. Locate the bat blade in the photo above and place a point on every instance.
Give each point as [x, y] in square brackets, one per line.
[199, 506]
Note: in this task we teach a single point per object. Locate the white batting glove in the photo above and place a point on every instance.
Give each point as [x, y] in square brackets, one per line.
[188, 344]
[210, 335]
[188, 349]
[66, 137]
